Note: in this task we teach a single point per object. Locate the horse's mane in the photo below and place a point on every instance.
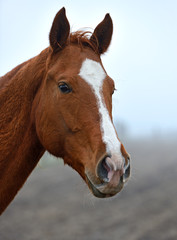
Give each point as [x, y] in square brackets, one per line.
[82, 38]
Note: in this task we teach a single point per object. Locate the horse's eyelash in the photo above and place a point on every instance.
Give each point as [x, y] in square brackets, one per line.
[114, 90]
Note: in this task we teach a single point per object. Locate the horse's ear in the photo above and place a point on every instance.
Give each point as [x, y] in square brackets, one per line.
[102, 34]
[60, 31]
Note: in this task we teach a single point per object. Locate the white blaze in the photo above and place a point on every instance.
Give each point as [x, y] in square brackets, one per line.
[93, 73]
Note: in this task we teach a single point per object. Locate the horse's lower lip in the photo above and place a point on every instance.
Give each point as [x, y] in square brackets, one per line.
[97, 193]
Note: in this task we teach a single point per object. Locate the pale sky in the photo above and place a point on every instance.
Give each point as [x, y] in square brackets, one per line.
[142, 58]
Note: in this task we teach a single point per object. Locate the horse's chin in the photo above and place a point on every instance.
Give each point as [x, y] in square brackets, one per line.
[102, 190]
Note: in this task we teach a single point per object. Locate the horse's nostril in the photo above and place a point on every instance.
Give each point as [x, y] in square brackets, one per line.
[107, 170]
[126, 171]
[102, 170]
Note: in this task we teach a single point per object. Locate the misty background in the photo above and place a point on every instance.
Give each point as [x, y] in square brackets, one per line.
[142, 58]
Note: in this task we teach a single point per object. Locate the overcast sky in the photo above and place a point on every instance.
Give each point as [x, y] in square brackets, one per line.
[142, 58]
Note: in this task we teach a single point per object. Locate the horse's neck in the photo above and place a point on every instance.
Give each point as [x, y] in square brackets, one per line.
[20, 149]
[18, 167]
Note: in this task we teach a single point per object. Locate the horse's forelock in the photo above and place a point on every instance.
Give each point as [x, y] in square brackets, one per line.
[82, 38]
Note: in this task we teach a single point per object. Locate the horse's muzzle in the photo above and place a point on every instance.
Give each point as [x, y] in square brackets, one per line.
[111, 180]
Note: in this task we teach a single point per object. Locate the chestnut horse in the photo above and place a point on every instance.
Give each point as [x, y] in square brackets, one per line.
[61, 101]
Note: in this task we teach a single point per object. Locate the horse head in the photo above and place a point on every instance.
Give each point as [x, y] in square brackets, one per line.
[73, 115]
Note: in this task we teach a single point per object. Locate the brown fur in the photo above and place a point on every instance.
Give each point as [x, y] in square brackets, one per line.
[35, 116]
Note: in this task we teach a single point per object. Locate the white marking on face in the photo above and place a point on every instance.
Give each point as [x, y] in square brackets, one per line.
[93, 73]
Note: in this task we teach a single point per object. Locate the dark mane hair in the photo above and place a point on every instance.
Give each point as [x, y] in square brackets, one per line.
[82, 38]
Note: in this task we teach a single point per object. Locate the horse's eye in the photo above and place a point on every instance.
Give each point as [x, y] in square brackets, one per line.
[64, 88]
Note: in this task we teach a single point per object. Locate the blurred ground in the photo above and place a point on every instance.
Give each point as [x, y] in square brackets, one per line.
[55, 204]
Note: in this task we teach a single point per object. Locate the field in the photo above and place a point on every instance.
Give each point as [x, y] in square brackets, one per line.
[55, 204]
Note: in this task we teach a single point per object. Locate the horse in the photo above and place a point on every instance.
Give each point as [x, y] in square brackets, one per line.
[60, 101]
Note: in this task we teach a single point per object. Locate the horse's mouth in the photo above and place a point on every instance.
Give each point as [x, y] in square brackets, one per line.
[105, 190]
[98, 193]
